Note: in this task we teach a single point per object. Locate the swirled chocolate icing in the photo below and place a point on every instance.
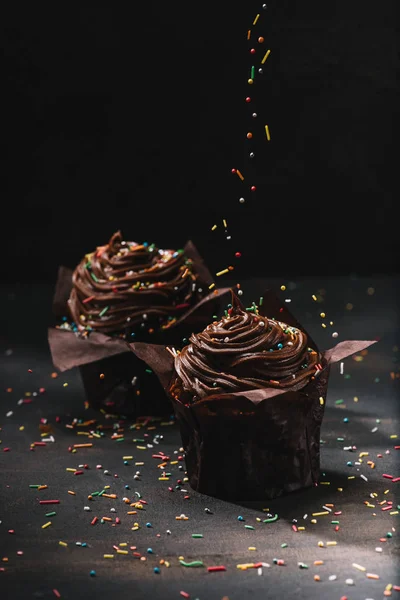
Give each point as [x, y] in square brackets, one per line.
[244, 351]
[124, 287]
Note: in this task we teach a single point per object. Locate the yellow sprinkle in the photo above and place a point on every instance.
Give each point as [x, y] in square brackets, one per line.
[331, 543]
[389, 587]
[394, 512]
[214, 227]
[370, 505]
[210, 287]
[222, 272]
[323, 315]
[127, 458]
[313, 521]
[301, 529]
[135, 528]
[141, 447]
[181, 558]
[320, 544]
[393, 437]
[248, 34]
[363, 454]
[340, 489]
[268, 52]
[321, 401]
[245, 566]
[256, 19]
[63, 543]
[252, 548]
[324, 483]
[267, 133]
[82, 433]
[239, 174]
[46, 525]
[174, 462]
[139, 464]
[355, 399]
[319, 514]
[323, 325]
[314, 297]
[106, 487]
[122, 544]
[22, 427]
[163, 479]
[224, 223]
[122, 551]
[71, 492]
[108, 555]
[71, 470]
[351, 477]
[65, 384]
[359, 567]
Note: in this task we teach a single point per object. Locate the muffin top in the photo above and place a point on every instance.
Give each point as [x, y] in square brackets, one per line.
[126, 288]
[245, 351]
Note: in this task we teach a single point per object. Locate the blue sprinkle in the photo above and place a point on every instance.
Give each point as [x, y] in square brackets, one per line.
[84, 545]
[280, 346]
[240, 518]
[92, 573]
[345, 420]
[127, 487]
[149, 550]
[349, 463]
[156, 570]
[126, 462]
[148, 525]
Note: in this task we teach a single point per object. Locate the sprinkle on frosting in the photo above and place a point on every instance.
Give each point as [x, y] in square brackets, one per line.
[124, 287]
[245, 351]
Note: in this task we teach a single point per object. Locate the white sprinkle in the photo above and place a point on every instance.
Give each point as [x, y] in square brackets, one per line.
[335, 334]
[8, 352]
[305, 516]
[265, 565]
[240, 292]
[20, 402]
[168, 532]
[332, 577]
[112, 509]
[327, 508]
[349, 581]
[288, 300]
[49, 439]
[378, 549]
[261, 324]
[10, 413]
[259, 571]
[241, 200]
[359, 567]
[357, 463]
[228, 237]
[363, 477]
[106, 472]
[341, 368]
[226, 339]
[374, 430]
[87, 508]
[134, 380]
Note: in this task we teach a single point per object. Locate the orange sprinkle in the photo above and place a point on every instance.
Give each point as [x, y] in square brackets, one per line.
[82, 445]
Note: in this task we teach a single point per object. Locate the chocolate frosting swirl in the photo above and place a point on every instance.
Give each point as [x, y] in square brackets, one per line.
[245, 351]
[125, 286]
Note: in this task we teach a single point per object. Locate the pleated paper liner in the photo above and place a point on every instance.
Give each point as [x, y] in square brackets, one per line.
[114, 378]
[258, 444]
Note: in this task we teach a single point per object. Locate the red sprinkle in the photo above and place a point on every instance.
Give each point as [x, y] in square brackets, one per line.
[94, 521]
[387, 476]
[78, 473]
[396, 479]
[294, 527]
[49, 502]
[87, 299]
[117, 520]
[185, 594]
[39, 443]
[6, 449]
[280, 562]
[217, 568]
[338, 512]
[387, 507]
[57, 593]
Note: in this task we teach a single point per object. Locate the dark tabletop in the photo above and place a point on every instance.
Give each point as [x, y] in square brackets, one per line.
[362, 414]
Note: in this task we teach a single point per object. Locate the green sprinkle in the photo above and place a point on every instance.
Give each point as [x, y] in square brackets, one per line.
[248, 527]
[284, 545]
[50, 514]
[347, 376]
[335, 522]
[339, 401]
[271, 520]
[303, 566]
[137, 440]
[34, 486]
[261, 300]
[120, 440]
[340, 439]
[252, 73]
[101, 493]
[96, 493]
[88, 265]
[93, 276]
[194, 563]
[197, 535]
[103, 312]
[149, 371]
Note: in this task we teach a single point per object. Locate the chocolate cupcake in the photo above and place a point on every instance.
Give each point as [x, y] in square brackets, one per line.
[119, 293]
[249, 396]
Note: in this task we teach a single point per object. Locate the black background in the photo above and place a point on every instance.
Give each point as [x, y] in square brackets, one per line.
[132, 118]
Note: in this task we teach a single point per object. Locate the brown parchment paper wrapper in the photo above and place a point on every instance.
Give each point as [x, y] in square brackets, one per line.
[114, 378]
[258, 444]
